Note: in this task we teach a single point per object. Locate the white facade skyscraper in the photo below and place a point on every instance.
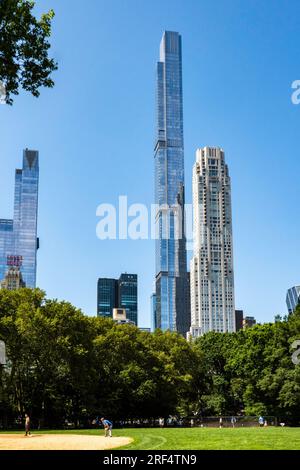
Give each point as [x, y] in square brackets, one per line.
[212, 279]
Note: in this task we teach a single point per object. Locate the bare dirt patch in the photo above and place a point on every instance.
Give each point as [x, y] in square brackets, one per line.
[60, 442]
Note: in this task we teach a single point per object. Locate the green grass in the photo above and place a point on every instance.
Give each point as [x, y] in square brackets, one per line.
[272, 438]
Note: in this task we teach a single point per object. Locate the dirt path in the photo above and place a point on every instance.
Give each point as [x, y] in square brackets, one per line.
[60, 442]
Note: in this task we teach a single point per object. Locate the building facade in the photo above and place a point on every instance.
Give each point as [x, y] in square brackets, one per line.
[13, 279]
[18, 236]
[153, 312]
[120, 317]
[6, 244]
[171, 266]
[128, 296]
[293, 298]
[212, 278]
[120, 294]
[248, 322]
[107, 297]
[239, 317]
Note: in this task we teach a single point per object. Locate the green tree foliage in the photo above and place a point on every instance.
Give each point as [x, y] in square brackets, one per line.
[24, 46]
[65, 365]
[252, 371]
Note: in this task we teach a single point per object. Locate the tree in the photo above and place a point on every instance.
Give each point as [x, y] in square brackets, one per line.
[141, 374]
[50, 357]
[24, 46]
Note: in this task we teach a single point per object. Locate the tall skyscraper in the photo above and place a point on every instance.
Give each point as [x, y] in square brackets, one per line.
[293, 298]
[171, 267]
[18, 237]
[212, 280]
[128, 296]
[119, 293]
[107, 297]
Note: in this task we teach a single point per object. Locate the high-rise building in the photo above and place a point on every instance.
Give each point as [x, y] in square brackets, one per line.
[153, 312]
[18, 237]
[6, 244]
[212, 281]
[248, 322]
[171, 267]
[128, 296]
[120, 294]
[107, 297]
[13, 279]
[239, 317]
[293, 298]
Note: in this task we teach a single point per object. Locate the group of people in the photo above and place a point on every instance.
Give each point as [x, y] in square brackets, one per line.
[261, 421]
[105, 422]
[108, 424]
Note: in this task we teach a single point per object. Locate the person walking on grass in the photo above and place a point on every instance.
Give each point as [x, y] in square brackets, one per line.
[27, 425]
[107, 427]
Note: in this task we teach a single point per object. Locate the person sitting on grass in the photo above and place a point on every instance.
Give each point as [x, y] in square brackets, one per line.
[107, 427]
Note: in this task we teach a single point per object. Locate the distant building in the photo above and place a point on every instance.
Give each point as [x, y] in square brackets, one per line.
[146, 330]
[293, 298]
[248, 322]
[212, 277]
[120, 317]
[13, 279]
[153, 312]
[172, 312]
[128, 295]
[239, 317]
[119, 293]
[19, 235]
[107, 297]
[195, 332]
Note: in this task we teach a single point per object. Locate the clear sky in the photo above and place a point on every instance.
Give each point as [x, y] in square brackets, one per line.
[95, 134]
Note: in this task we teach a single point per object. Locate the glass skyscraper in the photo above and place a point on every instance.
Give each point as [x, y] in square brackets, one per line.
[118, 293]
[172, 310]
[128, 296]
[107, 297]
[293, 298]
[18, 237]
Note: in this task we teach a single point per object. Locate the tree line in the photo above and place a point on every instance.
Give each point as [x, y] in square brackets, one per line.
[64, 365]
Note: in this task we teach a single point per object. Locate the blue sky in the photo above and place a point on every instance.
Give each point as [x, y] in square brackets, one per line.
[95, 133]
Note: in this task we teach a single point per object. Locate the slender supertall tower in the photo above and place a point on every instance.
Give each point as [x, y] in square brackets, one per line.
[212, 280]
[172, 296]
[18, 236]
[25, 215]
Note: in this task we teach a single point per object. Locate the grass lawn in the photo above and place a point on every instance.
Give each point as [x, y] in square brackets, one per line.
[205, 438]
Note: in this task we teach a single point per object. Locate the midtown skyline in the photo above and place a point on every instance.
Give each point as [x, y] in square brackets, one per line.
[237, 94]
